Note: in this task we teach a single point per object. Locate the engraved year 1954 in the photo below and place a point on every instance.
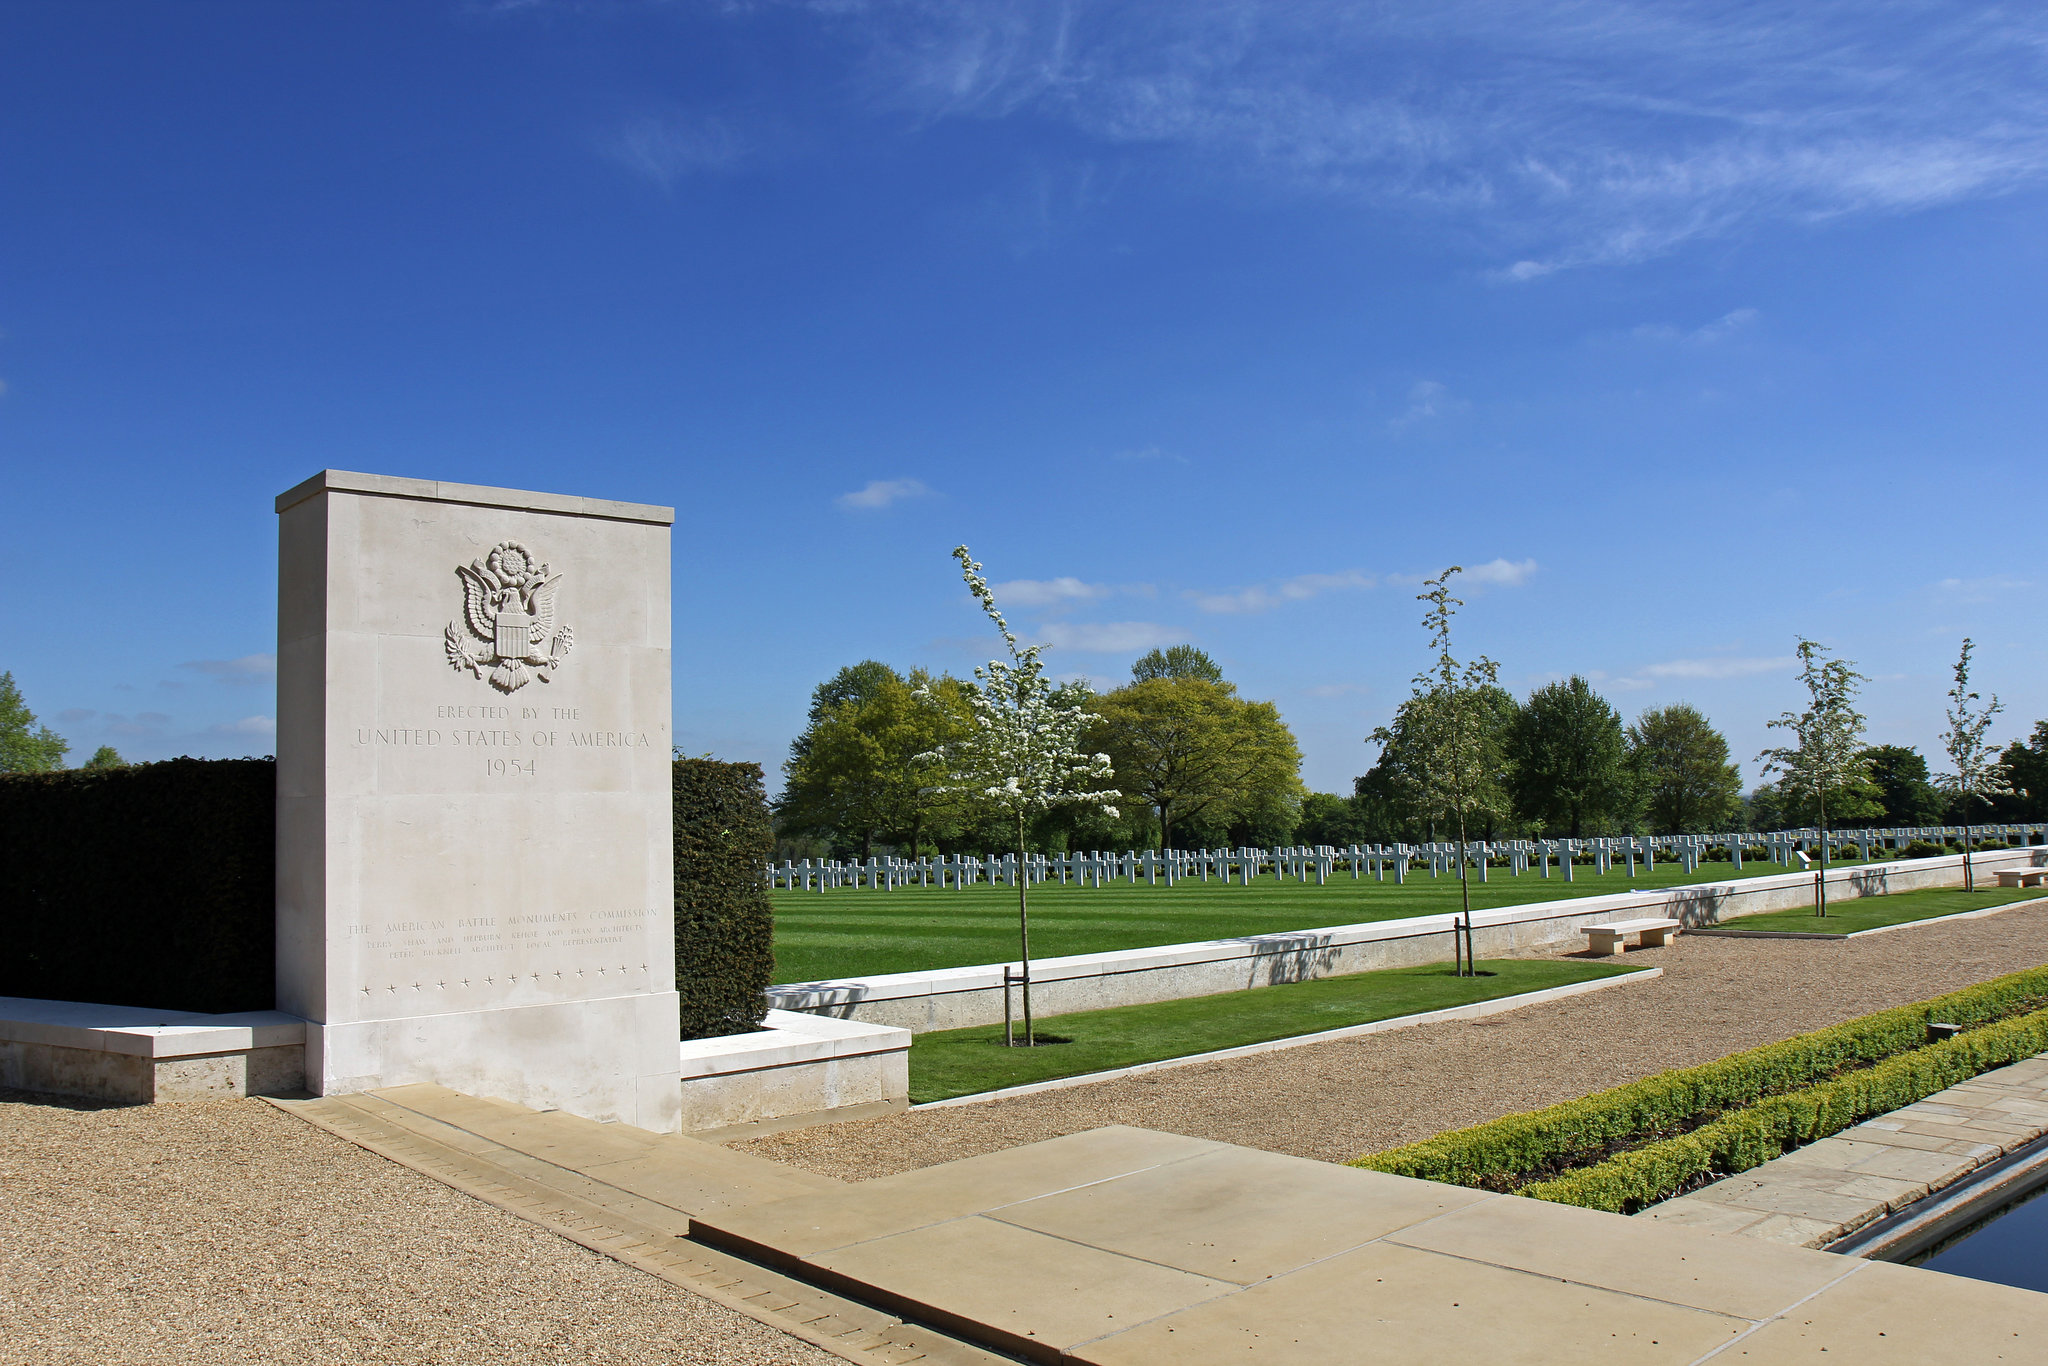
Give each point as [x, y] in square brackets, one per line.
[509, 768]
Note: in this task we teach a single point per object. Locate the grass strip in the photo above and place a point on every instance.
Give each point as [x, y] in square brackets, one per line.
[960, 1062]
[1748, 1138]
[1873, 912]
[859, 932]
[1503, 1153]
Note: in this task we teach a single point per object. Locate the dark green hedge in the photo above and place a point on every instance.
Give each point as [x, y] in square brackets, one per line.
[150, 885]
[1751, 1137]
[154, 885]
[1797, 1071]
[725, 923]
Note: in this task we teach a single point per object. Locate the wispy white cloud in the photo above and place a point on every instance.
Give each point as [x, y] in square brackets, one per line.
[1427, 399]
[666, 148]
[1552, 133]
[248, 725]
[1048, 592]
[1720, 668]
[1501, 573]
[247, 669]
[1706, 334]
[880, 493]
[1987, 589]
[1108, 637]
[1264, 597]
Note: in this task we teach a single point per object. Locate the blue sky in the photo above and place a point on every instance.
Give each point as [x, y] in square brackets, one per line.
[1687, 328]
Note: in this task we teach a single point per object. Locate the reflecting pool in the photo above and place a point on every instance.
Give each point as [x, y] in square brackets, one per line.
[2009, 1246]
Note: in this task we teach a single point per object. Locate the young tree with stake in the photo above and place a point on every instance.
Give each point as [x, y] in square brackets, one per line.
[1829, 754]
[1448, 758]
[1978, 771]
[1021, 755]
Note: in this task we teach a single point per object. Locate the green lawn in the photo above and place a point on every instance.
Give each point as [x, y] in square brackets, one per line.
[960, 1062]
[1867, 913]
[852, 932]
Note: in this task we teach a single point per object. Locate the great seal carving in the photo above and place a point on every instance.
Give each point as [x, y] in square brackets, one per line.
[508, 608]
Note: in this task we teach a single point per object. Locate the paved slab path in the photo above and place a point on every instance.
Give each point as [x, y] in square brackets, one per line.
[1334, 1101]
[1124, 1247]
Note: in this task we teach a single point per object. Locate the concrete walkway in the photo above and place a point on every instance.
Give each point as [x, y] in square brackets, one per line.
[1124, 1246]
[629, 1194]
[1829, 1189]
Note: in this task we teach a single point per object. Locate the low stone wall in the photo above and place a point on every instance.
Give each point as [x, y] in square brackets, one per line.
[954, 998]
[144, 1057]
[801, 1064]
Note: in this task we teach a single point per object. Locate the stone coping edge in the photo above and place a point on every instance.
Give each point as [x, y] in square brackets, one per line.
[791, 1039]
[898, 986]
[1933, 1217]
[1464, 1012]
[473, 495]
[1874, 929]
[138, 1032]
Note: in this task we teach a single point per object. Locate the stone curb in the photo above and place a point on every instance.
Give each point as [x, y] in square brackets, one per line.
[1465, 1012]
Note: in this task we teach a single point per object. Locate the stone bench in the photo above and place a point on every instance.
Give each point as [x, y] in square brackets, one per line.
[1651, 934]
[2023, 877]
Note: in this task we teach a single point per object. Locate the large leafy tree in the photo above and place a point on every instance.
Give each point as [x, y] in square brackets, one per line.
[1327, 818]
[1681, 771]
[1021, 754]
[2026, 771]
[1186, 745]
[1177, 661]
[861, 772]
[1976, 774]
[1906, 794]
[1396, 793]
[26, 746]
[1825, 763]
[1566, 757]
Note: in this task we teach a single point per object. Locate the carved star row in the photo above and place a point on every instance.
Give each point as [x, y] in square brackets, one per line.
[512, 980]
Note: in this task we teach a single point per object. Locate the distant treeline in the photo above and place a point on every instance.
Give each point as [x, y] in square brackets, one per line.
[1201, 767]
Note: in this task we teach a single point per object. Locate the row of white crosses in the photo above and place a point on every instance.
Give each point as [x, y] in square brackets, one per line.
[1381, 862]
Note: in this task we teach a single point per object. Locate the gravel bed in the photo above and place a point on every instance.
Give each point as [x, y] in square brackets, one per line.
[232, 1232]
[1334, 1101]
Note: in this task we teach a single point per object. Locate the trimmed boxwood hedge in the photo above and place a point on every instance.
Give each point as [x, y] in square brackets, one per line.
[725, 923]
[151, 885]
[1742, 1109]
[1748, 1138]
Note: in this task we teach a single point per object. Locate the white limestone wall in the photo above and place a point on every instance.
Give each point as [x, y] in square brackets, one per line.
[955, 998]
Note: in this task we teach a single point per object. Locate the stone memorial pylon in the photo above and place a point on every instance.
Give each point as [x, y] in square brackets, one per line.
[474, 849]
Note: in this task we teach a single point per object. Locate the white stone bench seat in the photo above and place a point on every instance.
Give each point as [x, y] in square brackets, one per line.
[1650, 934]
[2023, 877]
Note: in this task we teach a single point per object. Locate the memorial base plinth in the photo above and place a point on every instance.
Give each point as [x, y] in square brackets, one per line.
[612, 1060]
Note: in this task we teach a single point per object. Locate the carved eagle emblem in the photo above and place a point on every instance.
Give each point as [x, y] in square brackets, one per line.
[508, 608]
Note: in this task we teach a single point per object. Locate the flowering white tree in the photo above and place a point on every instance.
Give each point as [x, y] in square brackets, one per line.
[1828, 757]
[1022, 755]
[1978, 773]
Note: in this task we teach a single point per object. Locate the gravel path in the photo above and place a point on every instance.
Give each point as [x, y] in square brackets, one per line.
[232, 1232]
[1334, 1101]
